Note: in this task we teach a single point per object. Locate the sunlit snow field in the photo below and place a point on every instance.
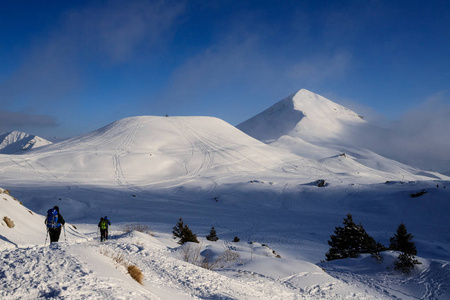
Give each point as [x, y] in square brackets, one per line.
[151, 171]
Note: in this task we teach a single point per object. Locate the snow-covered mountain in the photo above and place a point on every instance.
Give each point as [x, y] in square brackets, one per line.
[304, 115]
[312, 126]
[153, 170]
[16, 142]
[147, 149]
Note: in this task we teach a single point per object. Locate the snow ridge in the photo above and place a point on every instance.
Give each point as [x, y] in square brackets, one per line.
[16, 142]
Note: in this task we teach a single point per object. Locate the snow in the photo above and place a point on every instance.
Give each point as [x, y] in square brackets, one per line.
[16, 142]
[151, 171]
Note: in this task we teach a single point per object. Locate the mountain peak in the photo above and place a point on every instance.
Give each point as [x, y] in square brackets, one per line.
[15, 142]
[304, 114]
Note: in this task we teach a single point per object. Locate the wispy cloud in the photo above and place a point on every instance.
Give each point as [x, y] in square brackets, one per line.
[319, 68]
[119, 30]
[21, 120]
[419, 138]
[245, 66]
[114, 33]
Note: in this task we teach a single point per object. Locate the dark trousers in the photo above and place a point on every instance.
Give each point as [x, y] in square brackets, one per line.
[103, 235]
[54, 234]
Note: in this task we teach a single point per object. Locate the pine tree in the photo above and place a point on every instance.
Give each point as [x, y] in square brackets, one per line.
[212, 235]
[351, 240]
[187, 236]
[405, 262]
[184, 233]
[177, 229]
[402, 241]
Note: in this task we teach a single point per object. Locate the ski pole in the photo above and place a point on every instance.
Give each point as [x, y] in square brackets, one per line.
[46, 236]
[64, 226]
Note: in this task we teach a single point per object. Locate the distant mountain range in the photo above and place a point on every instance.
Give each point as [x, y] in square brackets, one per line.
[16, 142]
[303, 133]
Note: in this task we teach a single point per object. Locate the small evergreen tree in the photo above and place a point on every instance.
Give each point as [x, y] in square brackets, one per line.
[177, 229]
[405, 262]
[351, 240]
[402, 241]
[236, 239]
[212, 235]
[184, 233]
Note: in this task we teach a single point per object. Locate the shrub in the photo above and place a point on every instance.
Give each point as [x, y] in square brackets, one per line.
[8, 222]
[136, 227]
[119, 258]
[136, 273]
[236, 239]
[191, 253]
[229, 255]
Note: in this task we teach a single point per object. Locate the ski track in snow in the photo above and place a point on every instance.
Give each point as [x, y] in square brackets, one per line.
[54, 272]
[82, 270]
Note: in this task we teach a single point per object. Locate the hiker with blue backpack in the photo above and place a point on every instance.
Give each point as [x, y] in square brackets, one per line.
[54, 221]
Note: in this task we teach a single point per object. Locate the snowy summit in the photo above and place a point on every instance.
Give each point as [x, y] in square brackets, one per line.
[305, 115]
[16, 142]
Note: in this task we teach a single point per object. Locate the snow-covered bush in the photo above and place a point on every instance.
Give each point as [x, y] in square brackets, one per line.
[207, 259]
[136, 227]
[229, 255]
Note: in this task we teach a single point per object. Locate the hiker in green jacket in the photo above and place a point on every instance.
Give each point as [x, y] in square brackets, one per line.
[107, 226]
[103, 225]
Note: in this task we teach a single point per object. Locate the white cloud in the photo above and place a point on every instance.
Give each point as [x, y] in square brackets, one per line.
[419, 138]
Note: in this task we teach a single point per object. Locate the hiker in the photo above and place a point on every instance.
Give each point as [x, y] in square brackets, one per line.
[54, 221]
[107, 226]
[103, 225]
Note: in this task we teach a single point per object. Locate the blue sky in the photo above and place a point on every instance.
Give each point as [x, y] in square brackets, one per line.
[69, 67]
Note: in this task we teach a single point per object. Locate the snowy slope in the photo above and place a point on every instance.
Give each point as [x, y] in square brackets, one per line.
[314, 127]
[84, 268]
[146, 149]
[154, 170]
[16, 142]
[26, 227]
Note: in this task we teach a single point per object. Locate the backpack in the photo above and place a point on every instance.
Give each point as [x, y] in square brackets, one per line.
[103, 224]
[52, 218]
